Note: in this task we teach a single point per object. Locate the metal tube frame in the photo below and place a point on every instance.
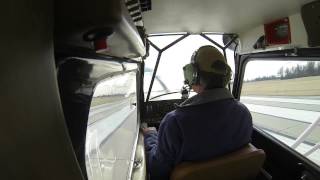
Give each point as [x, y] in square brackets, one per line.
[313, 149]
[184, 35]
[160, 51]
[167, 34]
[305, 134]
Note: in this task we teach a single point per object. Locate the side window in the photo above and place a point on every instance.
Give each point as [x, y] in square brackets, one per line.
[112, 128]
[284, 100]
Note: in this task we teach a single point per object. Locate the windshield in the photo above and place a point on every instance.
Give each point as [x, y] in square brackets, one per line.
[169, 77]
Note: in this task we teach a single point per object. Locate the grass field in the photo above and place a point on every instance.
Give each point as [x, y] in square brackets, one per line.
[306, 86]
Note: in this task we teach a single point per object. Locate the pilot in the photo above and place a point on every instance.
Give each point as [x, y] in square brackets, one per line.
[210, 124]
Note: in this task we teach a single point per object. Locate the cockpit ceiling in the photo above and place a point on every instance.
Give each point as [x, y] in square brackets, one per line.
[229, 16]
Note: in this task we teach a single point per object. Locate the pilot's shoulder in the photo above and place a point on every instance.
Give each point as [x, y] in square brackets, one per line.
[243, 110]
[240, 105]
[171, 115]
[170, 120]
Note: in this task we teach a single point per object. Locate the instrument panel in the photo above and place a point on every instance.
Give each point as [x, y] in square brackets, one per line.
[155, 111]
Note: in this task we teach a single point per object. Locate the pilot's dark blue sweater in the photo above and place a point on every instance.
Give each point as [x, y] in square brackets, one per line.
[205, 126]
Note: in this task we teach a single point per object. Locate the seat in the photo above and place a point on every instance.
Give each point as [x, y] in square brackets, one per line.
[242, 164]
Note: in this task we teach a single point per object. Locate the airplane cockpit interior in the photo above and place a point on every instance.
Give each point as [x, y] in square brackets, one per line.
[81, 79]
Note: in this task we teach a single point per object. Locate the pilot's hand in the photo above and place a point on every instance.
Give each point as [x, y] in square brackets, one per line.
[148, 129]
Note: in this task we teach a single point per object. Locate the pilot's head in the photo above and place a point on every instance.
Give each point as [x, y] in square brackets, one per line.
[208, 70]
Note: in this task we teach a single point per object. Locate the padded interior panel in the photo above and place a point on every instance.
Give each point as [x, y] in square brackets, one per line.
[75, 18]
[33, 137]
[231, 16]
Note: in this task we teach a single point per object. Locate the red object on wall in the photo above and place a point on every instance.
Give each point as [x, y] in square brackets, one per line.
[278, 32]
[100, 44]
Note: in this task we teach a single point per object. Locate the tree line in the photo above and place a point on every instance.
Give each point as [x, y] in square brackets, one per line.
[309, 69]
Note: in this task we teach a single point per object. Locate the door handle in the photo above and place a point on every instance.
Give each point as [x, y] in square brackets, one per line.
[137, 163]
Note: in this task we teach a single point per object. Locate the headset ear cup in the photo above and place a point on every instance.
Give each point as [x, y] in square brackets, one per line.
[197, 77]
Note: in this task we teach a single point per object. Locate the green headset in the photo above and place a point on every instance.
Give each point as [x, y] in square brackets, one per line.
[191, 71]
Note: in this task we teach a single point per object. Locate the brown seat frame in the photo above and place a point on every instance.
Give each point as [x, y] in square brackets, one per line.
[242, 164]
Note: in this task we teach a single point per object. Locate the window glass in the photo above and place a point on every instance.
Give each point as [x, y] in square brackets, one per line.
[158, 84]
[284, 100]
[112, 128]
[169, 77]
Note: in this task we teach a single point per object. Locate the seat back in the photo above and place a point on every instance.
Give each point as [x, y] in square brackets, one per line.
[242, 164]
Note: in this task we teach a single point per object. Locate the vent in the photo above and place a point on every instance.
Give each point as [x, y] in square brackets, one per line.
[136, 7]
[145, 5]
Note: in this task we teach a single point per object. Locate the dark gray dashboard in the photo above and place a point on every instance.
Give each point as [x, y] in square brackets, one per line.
[155, 111]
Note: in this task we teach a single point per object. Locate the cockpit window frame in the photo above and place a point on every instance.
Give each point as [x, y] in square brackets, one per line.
[204, 35]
